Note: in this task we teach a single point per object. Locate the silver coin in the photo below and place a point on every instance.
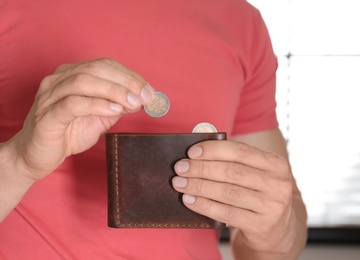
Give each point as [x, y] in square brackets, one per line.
[158, 106]
[204, 128]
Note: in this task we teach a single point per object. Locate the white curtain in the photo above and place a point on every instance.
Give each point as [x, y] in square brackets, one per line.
[318, 95]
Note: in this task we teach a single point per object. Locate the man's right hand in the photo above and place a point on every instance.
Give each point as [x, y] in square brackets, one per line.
[72, 108]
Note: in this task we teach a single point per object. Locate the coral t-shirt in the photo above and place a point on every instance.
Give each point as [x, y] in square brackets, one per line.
[213, 59]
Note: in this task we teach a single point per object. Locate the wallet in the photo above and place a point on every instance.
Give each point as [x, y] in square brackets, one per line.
[140, 168]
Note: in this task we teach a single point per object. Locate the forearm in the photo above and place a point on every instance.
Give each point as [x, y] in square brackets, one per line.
[298, 241]
[13, 183]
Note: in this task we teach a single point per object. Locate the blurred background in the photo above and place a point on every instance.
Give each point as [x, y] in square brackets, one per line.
[318, 94]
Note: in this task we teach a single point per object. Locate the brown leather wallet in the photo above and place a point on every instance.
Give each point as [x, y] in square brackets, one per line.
[140, 169]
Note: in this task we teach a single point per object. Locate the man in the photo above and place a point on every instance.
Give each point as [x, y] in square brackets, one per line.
[215, 62]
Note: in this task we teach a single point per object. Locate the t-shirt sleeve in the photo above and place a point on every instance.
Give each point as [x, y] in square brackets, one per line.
[257, 106]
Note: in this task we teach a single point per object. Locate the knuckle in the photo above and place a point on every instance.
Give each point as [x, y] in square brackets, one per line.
[235, 171]
[277, 211]
[243, 149]
[287, 189]
[47, 81]
[283, 186]
[232, 193]
[200, 187]
[132, 81]
[228, 215]
[128, 81]
[278, 162]
[207, 208]
[95, 67]
[203, 168]
[79, 80]
[281, 198]
[62, 67]
[113, 89]
[106, 60]
[277, 208]
[46, 87]
[137, 77]
[288, 186]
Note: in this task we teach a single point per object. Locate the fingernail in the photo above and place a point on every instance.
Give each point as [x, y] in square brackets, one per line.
[182, 166]
[180, 182]
[133, 99]
[188, 199]
[115, 107]
[195, 151]
[145, 94]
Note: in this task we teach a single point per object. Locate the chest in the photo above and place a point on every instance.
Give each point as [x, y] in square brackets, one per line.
[188, 50]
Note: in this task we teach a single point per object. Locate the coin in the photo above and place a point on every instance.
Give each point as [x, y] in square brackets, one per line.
[204, 128]
[158, 106]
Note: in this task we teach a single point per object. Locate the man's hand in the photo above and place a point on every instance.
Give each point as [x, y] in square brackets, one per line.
[72, 108]
[247, 188]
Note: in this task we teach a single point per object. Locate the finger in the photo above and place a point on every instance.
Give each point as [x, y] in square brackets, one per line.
[225, 172]
[225, 193]
[233, 151]
[257, 229]
[233, 216]
[277, 186]
[90, 86]
[106, 69]
[109, 70]
[64, 67]
[122, 67]
[57, 118]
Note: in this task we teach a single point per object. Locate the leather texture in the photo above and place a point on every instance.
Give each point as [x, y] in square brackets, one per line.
[140, 169]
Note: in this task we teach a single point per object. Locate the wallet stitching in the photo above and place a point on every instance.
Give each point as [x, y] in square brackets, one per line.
[117, 182]
[154, 225]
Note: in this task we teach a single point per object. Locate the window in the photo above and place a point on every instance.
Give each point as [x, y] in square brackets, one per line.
[318, 46]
